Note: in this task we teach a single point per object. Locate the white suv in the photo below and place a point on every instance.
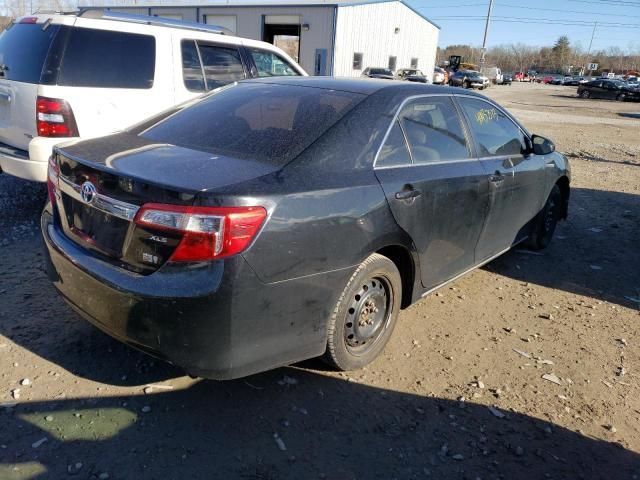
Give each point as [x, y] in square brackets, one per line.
[64, 77]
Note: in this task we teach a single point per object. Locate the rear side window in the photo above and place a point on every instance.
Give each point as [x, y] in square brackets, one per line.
[434, 130]
[192, 74]
[271, 65]
[394, 152]
[494, 132]
[271, 123]
[23, 50]
[206, 67]
[106, 59]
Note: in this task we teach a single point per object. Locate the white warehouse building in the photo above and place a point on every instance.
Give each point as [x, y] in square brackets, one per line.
[334, 38]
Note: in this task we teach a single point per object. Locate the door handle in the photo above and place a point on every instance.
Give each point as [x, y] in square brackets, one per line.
[496, 178]
[408, 194]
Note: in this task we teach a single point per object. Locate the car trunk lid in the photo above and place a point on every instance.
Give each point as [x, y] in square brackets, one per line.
[103, 183]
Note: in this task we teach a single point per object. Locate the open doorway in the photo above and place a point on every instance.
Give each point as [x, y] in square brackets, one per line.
[286, 37]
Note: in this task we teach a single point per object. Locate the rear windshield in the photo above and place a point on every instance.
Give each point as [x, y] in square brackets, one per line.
[264, 122]
[102, 58]
[23, 50]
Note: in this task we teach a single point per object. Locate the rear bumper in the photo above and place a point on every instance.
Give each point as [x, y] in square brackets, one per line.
[215, 320]
[32, 164]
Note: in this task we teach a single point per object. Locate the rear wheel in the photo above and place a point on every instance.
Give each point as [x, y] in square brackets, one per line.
[466, 84]
[622, 97]
[365, 315]
[545, 222]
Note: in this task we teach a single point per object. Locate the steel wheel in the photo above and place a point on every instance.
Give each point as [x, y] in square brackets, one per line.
[368, 315]
[365, 315]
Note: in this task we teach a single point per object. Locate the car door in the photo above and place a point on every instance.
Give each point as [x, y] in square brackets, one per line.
[611, 90]
[434, 186]
[515, 176]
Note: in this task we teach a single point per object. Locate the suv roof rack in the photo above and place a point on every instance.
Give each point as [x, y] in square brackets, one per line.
[147, 20]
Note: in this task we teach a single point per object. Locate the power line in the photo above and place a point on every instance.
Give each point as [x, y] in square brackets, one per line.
[544, 21]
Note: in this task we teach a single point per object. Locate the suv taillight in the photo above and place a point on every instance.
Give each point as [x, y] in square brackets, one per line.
[54, 118]
[208, 233]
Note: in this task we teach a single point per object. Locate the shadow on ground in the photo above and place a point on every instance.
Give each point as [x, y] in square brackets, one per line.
[629, 115]
[330, 428]
[593, 254]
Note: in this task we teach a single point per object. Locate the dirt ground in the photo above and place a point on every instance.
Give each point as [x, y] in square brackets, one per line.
[458, 394]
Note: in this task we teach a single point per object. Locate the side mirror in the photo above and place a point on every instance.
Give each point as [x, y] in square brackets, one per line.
[542, 145]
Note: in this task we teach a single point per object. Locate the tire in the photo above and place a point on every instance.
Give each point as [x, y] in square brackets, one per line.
[351, 345]
[466, 84]
[622, 97]
[544, 224]
[585, 94]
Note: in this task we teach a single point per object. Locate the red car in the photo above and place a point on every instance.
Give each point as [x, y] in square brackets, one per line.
[547, 79]
[518, 76]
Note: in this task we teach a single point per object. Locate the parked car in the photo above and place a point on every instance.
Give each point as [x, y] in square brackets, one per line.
[506, 80]
[608, 89]
[411, 75]
[518, 76]
[275, 220]
[557, 81]
[468, 79]
[547, 79]
[378, 72]
[80, 76]
[440, 76]
[574, 81]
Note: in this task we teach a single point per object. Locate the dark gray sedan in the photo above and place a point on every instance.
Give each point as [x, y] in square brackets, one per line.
[277, 220]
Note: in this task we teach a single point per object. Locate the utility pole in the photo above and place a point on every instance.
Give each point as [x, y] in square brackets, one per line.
[486, 32]
[593, 34]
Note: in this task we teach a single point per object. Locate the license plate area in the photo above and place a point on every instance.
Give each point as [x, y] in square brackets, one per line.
[95, 228]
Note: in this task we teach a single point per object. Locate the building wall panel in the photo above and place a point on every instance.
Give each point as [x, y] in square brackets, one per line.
[370, 29]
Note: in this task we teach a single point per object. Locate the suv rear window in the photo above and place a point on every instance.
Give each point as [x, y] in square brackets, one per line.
[264, 122]
[23, 50]
[102, 58]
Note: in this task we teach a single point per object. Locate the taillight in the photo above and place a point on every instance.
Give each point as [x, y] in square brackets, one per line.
[54, 118]
[53, 175]
[30, 20]
[208, 233]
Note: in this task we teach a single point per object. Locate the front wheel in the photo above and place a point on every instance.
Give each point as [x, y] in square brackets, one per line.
[365, 315]
[544, 224]
[622, 97]
[585, 94]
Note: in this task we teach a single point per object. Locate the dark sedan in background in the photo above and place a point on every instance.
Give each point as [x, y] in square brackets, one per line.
[609, 89]
[411, 75]
[378, 72]
[277, 220]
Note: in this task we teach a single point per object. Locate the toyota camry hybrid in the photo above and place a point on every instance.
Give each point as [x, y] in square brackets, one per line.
[276, 220]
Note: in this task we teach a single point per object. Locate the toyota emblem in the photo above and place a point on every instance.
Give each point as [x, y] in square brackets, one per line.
[88, 192]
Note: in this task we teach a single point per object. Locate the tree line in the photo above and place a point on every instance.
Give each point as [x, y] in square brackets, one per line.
[562, 57]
